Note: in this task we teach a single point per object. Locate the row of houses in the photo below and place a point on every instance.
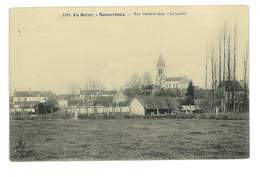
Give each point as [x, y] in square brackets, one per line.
[87, 103]
[27, 101]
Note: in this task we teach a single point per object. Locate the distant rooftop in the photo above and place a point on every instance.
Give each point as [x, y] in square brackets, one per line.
[155, 102]
[33, 93]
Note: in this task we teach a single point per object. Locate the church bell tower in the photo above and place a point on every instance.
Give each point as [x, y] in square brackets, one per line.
[160, 72]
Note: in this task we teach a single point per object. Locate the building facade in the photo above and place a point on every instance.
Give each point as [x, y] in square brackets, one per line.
[153, 105]
[27, 100]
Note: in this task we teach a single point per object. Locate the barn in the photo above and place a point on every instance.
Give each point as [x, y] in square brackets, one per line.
[153, 105]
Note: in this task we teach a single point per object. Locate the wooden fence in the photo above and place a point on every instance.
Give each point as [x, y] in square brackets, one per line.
[96, 109]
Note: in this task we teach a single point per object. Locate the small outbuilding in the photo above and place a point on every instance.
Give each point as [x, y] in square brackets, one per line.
[153, 105]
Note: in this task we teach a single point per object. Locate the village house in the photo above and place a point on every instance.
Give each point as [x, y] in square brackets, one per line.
[93, 94]
[152, 105]
[62, 103]
[27, 100]
[168, 82]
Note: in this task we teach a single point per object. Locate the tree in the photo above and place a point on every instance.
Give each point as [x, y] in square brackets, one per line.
[245, 97]
[73, 88]
[189, 100]
[135, 81]
[229, 72]
[220, 65]
[93, 89]
[224, 71]
[234, 67]
[94, 85]
[147, 79]
[224, 51]
[213, 79]
[206, 72]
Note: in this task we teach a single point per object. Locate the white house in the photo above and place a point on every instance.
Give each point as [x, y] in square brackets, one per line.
[28, 99]
[136, 107]
[62, 103]
[33, 96]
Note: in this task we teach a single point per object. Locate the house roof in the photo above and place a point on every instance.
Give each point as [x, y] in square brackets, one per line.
[26, 103]
[27, 93]
[155, 102]
[161, 61]
[47, 93]
[98, 92]
[109, 92]
[33, 94]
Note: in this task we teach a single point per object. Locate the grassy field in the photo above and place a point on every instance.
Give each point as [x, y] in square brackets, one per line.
[127, 139]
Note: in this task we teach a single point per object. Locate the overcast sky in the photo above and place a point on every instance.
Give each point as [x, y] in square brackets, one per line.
[48, 51]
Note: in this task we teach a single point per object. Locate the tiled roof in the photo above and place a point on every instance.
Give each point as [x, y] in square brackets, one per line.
[154, 102]
[27, 93]
[33, 94]
[26, 103]
[98, 92]
[47, 94]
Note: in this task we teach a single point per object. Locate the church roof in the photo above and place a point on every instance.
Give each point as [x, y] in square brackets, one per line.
[183, 78]
[161, 61]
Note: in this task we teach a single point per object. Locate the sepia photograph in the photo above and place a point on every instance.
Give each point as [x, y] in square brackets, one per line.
[128, 83]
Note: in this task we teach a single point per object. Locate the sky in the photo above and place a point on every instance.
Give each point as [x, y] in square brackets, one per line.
[49, 51]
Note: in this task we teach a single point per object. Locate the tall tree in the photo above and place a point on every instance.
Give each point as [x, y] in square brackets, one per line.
[224, 52]
[234, 67]
[245, 98]
[206, 72]
[220, 65]
[229, 71]
[190, 94]
[234, 52]
[213, 78]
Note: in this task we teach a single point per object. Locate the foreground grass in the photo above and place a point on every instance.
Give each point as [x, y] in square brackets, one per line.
[127, 139]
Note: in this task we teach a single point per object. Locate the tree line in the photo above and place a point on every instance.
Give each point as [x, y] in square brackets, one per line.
[226, 92]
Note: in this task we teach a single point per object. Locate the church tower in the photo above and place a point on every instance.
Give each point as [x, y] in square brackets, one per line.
[160, 72]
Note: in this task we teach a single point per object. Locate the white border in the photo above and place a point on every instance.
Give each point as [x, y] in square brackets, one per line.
[248, 167]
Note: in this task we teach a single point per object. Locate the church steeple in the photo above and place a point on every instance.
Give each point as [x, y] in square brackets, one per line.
[161, 62]
[160, 71]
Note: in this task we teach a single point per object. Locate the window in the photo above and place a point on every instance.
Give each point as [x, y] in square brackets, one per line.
[160, 71]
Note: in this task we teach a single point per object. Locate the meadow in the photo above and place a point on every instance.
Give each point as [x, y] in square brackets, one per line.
[128, 139]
